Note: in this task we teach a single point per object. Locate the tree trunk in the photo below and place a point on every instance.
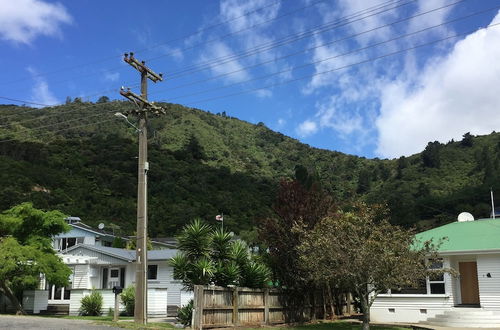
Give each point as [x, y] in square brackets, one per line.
[365, 308]
[332, 306]
[13, 299]
[312, 312]
[324, 303]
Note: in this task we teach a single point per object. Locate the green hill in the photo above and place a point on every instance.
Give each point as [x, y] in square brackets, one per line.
[203, 164]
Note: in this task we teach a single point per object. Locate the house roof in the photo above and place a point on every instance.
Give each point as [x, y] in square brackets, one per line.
[86, 227]
[128, 255]
[482, 234]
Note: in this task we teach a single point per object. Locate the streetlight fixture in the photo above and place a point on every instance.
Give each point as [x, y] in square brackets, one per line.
[121, 115]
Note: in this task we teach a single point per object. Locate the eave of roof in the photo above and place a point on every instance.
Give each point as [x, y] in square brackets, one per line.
[127, 255]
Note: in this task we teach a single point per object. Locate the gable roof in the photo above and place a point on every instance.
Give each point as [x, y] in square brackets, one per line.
[467, 236]
[86, 227]
[128, 255]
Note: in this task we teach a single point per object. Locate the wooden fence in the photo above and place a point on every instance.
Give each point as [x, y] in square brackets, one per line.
[228, 307]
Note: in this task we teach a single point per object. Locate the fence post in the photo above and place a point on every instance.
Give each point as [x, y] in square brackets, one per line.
[235, 307]
[266, 306]
[198, 307]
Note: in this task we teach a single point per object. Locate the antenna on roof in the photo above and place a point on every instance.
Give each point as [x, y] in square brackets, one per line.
[465, 216]
[492, 204]
[101, 226]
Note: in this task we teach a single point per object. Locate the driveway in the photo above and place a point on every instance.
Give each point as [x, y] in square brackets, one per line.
[34, 322]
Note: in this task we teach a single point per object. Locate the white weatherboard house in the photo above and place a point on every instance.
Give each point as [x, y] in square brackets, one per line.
[471, 299]
[96, 265]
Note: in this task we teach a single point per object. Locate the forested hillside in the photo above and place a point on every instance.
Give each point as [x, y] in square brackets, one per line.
[203, 164]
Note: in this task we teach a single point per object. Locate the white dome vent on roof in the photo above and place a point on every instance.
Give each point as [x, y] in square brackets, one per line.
[465, 216]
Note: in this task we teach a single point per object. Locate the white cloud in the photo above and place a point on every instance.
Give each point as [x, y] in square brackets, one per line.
[247, 13]
[452, 95]
[264, 93]
[23, 20]
[40, 92]
[280, 123]
[219, 50]
[343, 122]
[306, 128]
[431, 19]
[369, 21]
[111, 76]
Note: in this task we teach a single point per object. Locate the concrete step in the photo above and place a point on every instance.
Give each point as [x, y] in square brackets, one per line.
[466, 317]
[459, 324]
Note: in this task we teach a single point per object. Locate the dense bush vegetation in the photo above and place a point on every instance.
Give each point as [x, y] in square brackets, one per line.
[128, 299]
[185, 314]
[203, 164]
[91, 305]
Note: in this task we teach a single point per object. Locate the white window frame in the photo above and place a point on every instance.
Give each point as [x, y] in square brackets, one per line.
[441, 281]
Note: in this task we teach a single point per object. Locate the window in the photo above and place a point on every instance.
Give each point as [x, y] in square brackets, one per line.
[114, 273]
[68, 242]
[152, 272]
[436, 281]
[421, 288]
[433, 284]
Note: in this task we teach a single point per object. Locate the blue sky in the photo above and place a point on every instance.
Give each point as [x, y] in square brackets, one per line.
[319, 71]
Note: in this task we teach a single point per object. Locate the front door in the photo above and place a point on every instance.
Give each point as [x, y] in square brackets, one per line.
[469, 286]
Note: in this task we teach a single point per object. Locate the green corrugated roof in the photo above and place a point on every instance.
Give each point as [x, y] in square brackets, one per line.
[465, 236]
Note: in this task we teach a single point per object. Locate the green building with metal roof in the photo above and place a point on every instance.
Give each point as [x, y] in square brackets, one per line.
[469, 299]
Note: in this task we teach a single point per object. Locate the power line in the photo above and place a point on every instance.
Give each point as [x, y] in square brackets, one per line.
[166, 42]
[66, 121]
[337, 69]
[319, 61]
[269, 46]
[328, 44]
[291, 38]
[307, 76]
[302, 77]
[64, 129]
[24, 102]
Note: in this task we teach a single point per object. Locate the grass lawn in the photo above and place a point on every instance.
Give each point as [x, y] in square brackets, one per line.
[338, 325]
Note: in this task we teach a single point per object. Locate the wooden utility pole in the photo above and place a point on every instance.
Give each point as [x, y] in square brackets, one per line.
[143, 109]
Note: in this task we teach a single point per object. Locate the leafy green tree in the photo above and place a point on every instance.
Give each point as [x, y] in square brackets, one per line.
[467, 140]
[211, 256]
[26, 250]
[431, 155]
[103, 99]
[359, 248]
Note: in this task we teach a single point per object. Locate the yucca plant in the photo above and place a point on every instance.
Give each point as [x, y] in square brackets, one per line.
[255, 275]
[227, 273]
[195, 240]
[210, 256]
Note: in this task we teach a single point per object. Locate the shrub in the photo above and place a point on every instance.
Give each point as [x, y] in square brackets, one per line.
[91, 305]
[185, 313]
[128, 299]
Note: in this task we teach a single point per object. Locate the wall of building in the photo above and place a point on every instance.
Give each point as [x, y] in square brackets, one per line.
[489, 287]
[157, 301]
[409, 308]
[35, 301]
[413, 308]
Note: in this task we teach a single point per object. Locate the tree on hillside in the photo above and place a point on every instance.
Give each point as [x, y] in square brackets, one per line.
[103, 99]
[209, 255]
[26, 250]
[294, 203]
[467, 140]
[431, 155]
[360, 249]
